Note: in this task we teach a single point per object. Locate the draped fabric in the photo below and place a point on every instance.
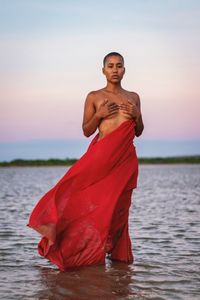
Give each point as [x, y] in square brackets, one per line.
[85, 215]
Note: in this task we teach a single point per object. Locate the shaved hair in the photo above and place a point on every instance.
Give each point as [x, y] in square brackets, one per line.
[112, 54]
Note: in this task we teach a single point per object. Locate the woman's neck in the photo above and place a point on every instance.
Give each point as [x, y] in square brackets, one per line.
[112, 88]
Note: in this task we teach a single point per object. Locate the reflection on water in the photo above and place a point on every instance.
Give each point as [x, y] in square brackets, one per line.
[164, 227]
[94, 282]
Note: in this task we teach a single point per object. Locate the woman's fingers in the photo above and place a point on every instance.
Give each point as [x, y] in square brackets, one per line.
[124, 107]
[131, 103]
[128, 108]
[112, 104]
[105, 102]
[113, 107]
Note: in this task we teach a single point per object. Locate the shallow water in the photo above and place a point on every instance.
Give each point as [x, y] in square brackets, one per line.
[164, 228]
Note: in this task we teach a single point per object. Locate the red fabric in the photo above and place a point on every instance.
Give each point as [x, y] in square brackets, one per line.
[85, 215]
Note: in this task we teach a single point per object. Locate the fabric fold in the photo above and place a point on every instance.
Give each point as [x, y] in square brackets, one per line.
[85, 215]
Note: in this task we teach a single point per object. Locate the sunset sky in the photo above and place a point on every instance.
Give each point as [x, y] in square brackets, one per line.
[51, 56]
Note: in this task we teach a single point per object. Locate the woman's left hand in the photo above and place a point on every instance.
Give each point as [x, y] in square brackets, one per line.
[130, 110]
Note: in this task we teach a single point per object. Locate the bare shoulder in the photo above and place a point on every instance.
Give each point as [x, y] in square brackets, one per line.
[136, 98]
[94, 97]
[94, 94]
[135, 95]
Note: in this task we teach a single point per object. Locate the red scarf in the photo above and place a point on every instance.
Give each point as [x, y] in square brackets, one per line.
[85, 215]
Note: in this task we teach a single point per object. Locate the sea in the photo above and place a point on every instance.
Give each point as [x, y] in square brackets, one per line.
[164, 226]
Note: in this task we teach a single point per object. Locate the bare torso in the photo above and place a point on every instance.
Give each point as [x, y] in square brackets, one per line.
[108, 124]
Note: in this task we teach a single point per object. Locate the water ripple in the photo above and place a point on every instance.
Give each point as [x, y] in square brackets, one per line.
[164, 227]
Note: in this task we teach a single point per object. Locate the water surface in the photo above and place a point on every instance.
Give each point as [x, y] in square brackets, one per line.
[164, 228]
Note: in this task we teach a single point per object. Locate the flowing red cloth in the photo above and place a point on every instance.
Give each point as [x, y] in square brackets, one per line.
[85, 215]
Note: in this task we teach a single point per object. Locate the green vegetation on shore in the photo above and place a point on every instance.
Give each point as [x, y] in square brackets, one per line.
[171, 160]
[70, 161]
[38, 162]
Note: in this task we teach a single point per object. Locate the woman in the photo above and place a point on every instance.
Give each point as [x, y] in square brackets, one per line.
[84, 217]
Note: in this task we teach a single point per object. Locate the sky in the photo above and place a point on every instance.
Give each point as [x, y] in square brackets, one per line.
[51, 55]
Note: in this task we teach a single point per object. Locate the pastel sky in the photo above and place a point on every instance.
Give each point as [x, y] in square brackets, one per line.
[51, 56]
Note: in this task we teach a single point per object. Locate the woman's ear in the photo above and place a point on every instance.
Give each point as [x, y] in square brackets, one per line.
[103, 70]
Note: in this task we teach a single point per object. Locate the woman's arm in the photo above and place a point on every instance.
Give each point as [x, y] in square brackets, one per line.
[139, 122]
[91, 119]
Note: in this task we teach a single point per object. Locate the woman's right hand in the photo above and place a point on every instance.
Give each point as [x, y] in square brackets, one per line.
[107, 109]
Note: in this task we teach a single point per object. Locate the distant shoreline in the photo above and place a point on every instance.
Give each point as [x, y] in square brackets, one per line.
[70, 161]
